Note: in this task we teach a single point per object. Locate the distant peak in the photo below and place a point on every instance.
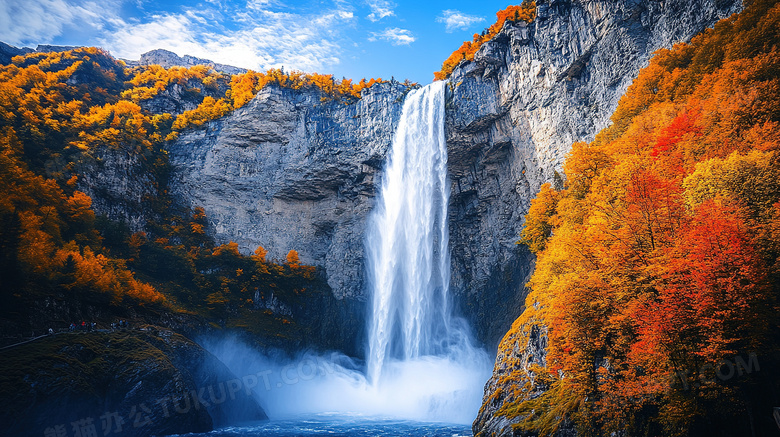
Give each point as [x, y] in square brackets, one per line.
[166, 58]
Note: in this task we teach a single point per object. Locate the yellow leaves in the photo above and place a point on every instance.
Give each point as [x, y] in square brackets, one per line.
[87, 270]
[36, 246]
[584, 163]
[78, 207]
[260, 254]
[750, 180]
[540, 220]
[209, 109]
[115, 125]
[292, 258]
[149, 81]
[245, 86]
[230, 248]
[658, 252]
[135, 242]
[142, 292]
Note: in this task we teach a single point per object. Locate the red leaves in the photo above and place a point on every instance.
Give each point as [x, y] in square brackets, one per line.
[685, 124]
[654, 208]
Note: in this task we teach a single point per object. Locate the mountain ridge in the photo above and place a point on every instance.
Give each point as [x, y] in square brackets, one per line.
[162, 57]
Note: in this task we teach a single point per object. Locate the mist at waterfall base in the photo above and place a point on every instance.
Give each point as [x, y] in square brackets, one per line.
[421, 364]
[428, 389]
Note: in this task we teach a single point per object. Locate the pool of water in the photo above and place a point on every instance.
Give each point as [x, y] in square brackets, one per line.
[347, 426]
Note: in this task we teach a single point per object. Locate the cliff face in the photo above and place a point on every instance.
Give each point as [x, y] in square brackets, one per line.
[7, 52]
[167, 58]
[288, 171]
[514, 112]
[118, 185]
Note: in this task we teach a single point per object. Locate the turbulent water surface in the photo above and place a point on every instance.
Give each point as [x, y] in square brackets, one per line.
[329, 425]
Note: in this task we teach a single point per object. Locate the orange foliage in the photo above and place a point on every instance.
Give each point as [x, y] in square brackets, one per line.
[39, 100]
[525, 12]
[292, 258]
[260, 254]
[230, 248]
[540, 219]
[149, 81]
[243, 87]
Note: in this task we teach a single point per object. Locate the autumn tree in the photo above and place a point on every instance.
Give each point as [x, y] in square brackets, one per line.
[657, 262]
[292, 258]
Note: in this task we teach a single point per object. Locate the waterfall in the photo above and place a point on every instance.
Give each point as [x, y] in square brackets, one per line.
[407, 248]
[421, 364]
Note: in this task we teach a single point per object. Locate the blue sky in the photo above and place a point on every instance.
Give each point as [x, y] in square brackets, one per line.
[350, 38]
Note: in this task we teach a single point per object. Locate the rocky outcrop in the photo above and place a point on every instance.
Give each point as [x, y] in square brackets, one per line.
[119, 185]
[177, 98]
[290, 171]
[46, 48]
[7, 52]
[519, 351]
[512, 116]
[167, 58]
[125, 383]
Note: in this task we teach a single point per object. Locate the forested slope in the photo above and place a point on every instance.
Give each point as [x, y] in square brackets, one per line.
[653, 308]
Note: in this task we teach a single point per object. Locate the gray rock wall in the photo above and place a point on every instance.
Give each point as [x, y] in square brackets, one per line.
[289, 171]
[167, 58]
[118, 185]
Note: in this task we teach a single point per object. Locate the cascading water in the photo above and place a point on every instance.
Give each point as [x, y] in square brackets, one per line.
[407, 240]
[407, 246]
[421, 363]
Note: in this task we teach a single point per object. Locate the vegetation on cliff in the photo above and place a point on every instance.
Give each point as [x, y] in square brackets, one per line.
[60, 262]
[658, 263]
[524, 12]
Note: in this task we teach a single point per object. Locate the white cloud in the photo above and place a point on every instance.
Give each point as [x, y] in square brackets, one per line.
[456, 20]
[380, 9]
[266, 39]
[30, 22]
[395, 36]
[260, 4]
